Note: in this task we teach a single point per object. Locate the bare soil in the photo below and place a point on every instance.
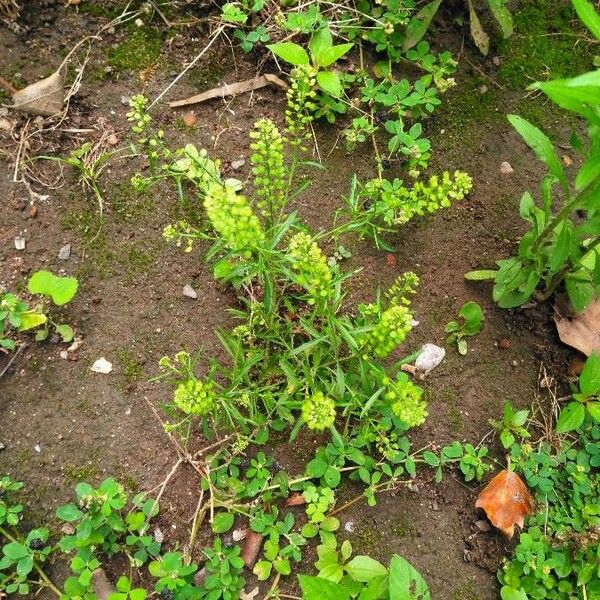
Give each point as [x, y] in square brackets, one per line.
[61, 423]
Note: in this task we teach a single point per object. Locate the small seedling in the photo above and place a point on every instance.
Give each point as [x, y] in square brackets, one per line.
[511, 426]
[472, 315]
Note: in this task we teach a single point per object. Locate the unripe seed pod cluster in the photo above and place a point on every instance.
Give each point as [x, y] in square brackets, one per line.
[195, 397]
[232, 217]
[318, 411]
[310, 265]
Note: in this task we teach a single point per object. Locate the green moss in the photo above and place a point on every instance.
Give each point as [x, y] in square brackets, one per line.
[546, 45]
[139, 50]
[135, 261]
[466, 591]
[402, 527]
[132, 367]
[75, 474]
[455, 421]
[129, 205]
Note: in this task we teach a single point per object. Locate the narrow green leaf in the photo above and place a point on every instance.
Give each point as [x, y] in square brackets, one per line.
[419, 24]
[589, 15]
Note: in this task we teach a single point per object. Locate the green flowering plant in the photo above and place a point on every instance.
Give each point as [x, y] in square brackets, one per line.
[310, 267]
[318, 411]
[381, 205]
[406, 400]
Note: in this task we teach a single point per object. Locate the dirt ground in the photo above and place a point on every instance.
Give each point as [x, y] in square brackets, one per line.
[61, 423]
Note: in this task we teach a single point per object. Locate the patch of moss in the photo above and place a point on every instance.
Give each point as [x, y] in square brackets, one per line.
[455, 420]
[402, 527]
[135, 260]
[139, 50]
[75, 474]
[129, 205]
[466, 591]
[132, 367]
[546, 45]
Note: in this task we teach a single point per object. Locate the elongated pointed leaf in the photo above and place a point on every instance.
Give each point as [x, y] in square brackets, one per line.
[502, 15]
[290, 52]
[419, 24]
[589, 15]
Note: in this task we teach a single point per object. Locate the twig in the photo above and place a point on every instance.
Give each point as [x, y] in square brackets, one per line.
[13, 358]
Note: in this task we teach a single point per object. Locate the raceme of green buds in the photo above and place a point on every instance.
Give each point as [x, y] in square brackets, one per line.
[398, 204]
[401, 290]
[267, 168]
[195, 397]
[197, 167]
[407, 402]
[300, 104]
[232, 217]
[138, 114]
[318, 411]
[391, 330]
[310, 266]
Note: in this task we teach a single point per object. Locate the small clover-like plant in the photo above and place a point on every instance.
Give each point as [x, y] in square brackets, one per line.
[511, 426]
[586, 399]
[16, 314]
[472, 322]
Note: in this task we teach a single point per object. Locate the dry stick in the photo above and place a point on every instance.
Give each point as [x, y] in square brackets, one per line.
[194, 61]
[13, 358]
[11, 89]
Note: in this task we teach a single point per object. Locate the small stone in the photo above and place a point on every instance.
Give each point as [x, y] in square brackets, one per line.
[112, 139]
[483, 89]
[505, 168]
[238, 164]
[125, 100]
[496, 60]
[32, 212]
[2, 446]
[239, 534]
[189, 118]
[189, 291]
[515, 363]
[37, 448]
[567, 160]
[65, 252]
[64, 354]
[139, 22]
[349, 526]
[431, 356]
[435, 506]
[504, 344]
[77, 343]
[110, 30]
[159, 536]
[67, 529]
[20, 243]
[483, 525]
[128, 411]
[102, 366]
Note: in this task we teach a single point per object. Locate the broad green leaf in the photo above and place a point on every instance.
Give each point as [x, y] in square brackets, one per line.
[589, 15]
[316, 588]
[580, 292]
[223, 522]
[262, 570]
[364, 568]
[320, 41]
[589, 380]
[502, 15]
[480, 275]
[290, 53]
[25, 566]
[419, 24]
[31, 319]
[406, 583]
[68, 512]
[66, 333]
[472, 313]
[540, 143]
[330, 55]
[60, 289]
[329, 82]
[571, 417]
[15, 551]
[589, 171]
[510, 593]
[594, 410]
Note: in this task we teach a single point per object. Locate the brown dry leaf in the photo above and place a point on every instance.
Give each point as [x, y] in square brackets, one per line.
[295, 500]
[103, 588]
[249, 595]
[480, 37]
[232, 89]
[251, 548]
[506, 502]
[189, 118]
[390, 260]
[582, 331]
[45, 97]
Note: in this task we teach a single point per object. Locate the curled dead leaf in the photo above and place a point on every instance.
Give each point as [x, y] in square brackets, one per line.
[581, 331]
[506, 502]
[251, 548]
[295, 500]
[44, 97]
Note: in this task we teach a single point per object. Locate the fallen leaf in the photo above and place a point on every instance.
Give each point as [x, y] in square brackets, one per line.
[295, 500]
[506, 502]
[251, 548]
[232, 89]
[480, 37]
[189, 118]
[249, 595]
[581, 331]
[112, 140]
[44, 97]
[390, 260]
[103, 588]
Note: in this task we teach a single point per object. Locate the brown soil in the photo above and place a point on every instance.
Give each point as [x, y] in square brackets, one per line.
[130, 308]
